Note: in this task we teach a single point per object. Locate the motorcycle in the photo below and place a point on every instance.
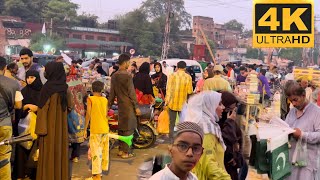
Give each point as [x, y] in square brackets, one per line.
[145, 134]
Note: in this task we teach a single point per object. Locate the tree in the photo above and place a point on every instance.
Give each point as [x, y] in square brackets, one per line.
[178, 50]
[145, 36]
[38, 42]
[87, 20]
[252, 53]
[2, 7]
[247, 33]
[234, 25]
[293, 54]
[212, 46]
[62, 13]
[25, 9]
[158, 8]
[19, 8]
[144, 27]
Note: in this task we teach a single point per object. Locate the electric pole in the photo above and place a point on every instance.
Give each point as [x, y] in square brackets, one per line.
[166, 44]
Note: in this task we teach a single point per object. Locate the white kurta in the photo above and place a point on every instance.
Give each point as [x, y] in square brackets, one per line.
[309, 123]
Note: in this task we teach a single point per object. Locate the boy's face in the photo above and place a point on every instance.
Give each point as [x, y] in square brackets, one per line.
[183, 156]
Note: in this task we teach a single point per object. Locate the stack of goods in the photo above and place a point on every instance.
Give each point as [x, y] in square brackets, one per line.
[253, 95]
[241, 91]
[311, 74]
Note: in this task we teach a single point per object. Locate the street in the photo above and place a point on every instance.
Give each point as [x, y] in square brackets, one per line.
[128, 169]
[119, 168]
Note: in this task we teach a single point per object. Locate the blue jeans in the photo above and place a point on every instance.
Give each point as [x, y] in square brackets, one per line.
[5, 153]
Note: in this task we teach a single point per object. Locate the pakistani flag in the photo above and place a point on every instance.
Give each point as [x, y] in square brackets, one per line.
[278, 156]
[261, 161]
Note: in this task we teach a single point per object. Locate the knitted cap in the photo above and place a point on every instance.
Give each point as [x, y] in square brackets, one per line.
[189, 127]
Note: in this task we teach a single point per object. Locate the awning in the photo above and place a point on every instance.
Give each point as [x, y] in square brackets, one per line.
[19, 42]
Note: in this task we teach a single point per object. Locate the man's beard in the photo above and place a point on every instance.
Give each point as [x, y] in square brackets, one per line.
[27, 65]
[301, 107]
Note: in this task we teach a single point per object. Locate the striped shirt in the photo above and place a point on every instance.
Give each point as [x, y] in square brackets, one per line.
[178, 88]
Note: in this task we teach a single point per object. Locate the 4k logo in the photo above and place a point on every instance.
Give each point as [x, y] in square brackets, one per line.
[283, 24]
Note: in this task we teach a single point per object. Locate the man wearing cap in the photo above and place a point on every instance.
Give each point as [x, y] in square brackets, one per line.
[217, 83]
[185, 152]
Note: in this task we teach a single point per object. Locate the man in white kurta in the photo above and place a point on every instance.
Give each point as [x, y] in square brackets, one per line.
[305, 119]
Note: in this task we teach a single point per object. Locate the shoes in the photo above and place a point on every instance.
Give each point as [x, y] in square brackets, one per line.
[127, 155]
[75, 160]
[120, 153]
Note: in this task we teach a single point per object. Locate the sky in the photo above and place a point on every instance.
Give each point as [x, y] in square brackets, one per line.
[220, 10]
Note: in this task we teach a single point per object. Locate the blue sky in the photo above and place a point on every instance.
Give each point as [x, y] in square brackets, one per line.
[220, 10]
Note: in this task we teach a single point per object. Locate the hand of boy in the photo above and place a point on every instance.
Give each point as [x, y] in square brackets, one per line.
[85, 134]
[138, 112]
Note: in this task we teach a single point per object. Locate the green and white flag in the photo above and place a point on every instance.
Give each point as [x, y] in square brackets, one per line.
[278, 156]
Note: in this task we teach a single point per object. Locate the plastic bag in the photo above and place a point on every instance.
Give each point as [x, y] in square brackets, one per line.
[163, 122]
[27, 125]
[300, 154]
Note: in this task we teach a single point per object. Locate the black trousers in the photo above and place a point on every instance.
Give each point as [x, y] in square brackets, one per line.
[75, 150]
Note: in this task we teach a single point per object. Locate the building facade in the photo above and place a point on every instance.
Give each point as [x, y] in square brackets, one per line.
[207, 25]
[94, 42]
[14, 35]
[218, 33]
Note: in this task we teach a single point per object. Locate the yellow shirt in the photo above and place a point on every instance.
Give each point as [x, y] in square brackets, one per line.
[99, 122]
[211, 163]
[178, 87]
[217, 83]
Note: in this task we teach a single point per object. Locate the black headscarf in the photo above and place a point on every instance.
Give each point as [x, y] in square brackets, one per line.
[56, 83]
[31, 93]
[145, 68]
[101, 71]
[158, 64]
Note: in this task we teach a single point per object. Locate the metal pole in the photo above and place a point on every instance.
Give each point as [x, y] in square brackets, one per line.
[165, 45]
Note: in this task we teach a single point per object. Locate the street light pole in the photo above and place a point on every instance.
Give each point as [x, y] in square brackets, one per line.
[165, 45]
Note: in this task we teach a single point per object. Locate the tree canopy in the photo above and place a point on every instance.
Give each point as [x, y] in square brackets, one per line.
[234, 25]
[38, 42]
[144, 27]
[293, 54]
[63, 13]
[87, 20]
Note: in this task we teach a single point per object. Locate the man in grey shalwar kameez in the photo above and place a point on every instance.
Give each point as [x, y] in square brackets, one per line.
[305, 119]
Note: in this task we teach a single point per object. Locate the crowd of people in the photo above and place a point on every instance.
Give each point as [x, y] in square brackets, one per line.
[205, 136]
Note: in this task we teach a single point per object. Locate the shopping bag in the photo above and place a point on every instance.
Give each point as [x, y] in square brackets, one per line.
[75, 127]
[300, 154]
[27, 125]
[163, 122]
[155, 91]
[177, 118]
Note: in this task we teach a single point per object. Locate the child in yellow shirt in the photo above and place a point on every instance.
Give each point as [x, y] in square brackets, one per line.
[97, 108]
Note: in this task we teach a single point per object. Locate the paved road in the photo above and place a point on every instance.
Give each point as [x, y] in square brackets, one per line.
[120, 169]
[128, 169]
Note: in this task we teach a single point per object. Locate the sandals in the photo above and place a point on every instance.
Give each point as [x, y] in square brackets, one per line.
[120, 153]
[128, 155]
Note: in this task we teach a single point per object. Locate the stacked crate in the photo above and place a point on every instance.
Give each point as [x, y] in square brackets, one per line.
[310, 73]
[253, 96]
